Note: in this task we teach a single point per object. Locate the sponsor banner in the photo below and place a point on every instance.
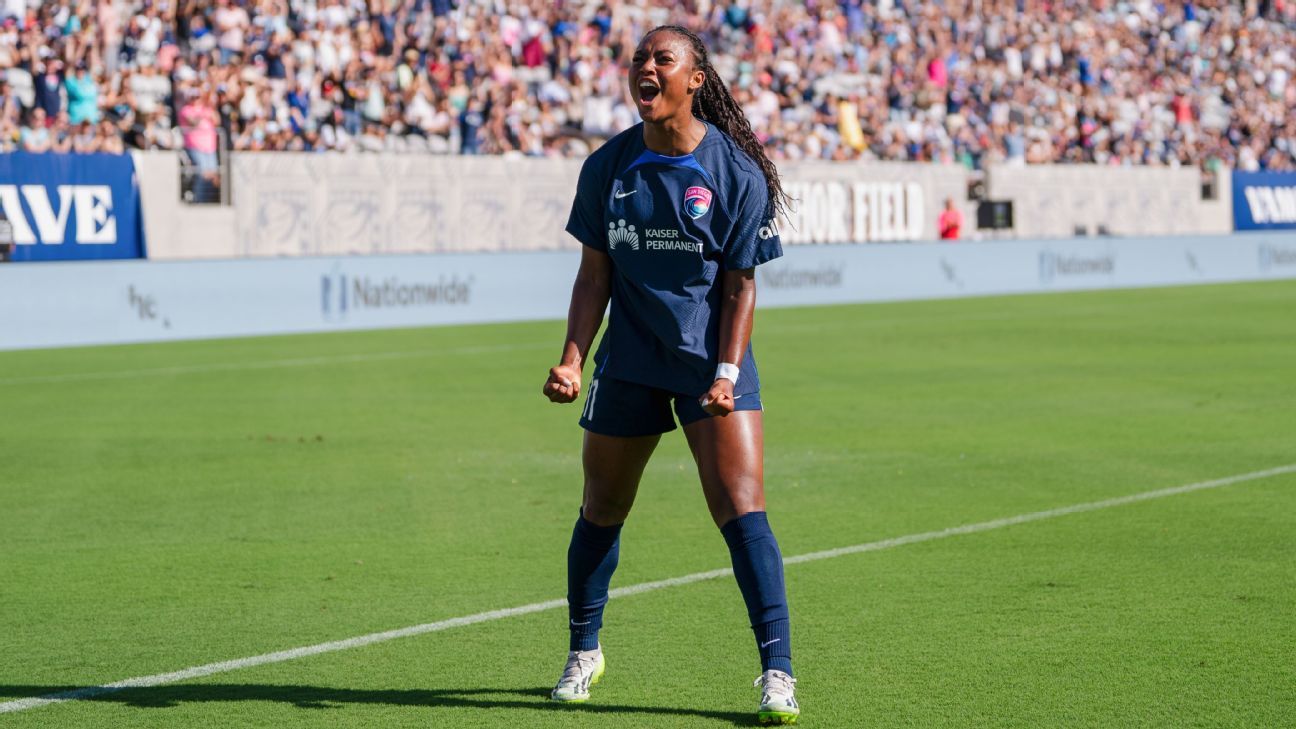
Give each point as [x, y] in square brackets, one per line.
[1264, 200]
[140, 301]
[136, 301]
[65, 207]
[850, 274]
[854, 212]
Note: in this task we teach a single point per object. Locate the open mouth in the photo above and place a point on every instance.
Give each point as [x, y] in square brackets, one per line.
[648, 91]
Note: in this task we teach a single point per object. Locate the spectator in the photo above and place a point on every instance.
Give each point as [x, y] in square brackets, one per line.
[230, 22]
[950, 222]
[36, 134]
[198, 122]
[85, 138]
[1129, 83]
[82, 96]
[61, 134]
[150, 90]
[48, 92]
[109, 139]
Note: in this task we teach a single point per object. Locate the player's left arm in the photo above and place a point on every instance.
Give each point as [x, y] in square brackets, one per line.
[737, 310]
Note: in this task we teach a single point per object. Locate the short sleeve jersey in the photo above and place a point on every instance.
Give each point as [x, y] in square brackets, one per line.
[672, 226]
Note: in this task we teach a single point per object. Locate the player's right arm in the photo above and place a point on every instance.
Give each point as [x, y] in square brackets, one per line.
[590, 295]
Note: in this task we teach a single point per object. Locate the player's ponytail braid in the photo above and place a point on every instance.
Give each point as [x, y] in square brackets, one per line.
[713, 103]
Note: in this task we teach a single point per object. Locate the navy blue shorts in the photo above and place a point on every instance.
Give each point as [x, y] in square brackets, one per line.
[628, 410]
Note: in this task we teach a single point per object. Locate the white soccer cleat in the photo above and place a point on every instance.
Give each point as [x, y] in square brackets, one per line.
[584, 669]
[778, 700]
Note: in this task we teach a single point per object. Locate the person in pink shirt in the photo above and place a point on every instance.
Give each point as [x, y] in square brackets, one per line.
[950, 222]
[198, 122]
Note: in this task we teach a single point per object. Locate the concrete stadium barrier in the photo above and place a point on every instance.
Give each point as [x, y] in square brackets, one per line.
[296, 204]
[176, 230]
[303, 204]
[1054, 201]
[78, 303]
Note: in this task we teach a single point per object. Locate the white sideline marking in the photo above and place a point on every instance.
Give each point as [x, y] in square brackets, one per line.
[363, 640]
[267, 364]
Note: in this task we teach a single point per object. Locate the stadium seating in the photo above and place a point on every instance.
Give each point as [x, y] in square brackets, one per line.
[976, 81]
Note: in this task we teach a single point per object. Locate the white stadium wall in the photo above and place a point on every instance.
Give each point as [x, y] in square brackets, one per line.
[1052, 201]
[79, 303]
[173, 229]
[297, 204]
[312, 205]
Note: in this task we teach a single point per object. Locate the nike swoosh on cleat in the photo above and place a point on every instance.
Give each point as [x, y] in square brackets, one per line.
[619, 195]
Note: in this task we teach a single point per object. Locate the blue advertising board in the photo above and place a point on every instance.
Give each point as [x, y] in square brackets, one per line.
[70, 207]
[1264, 200]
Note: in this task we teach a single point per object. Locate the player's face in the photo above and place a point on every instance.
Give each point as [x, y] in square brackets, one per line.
[662, 77]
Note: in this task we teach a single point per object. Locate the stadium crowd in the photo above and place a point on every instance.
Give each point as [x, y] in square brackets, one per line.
[967, 81]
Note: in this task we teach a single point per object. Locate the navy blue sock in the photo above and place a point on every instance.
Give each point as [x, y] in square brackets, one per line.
[591, 560]
[758, 565]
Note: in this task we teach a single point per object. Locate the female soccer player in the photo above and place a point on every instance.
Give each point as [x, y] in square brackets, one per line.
[674, 215]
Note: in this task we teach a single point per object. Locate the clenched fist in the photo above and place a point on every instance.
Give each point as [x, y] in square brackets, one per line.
[719, 400]
[563, 385]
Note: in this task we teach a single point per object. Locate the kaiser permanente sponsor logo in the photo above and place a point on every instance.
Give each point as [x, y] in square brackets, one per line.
[655, 239]
[44, 219]
[341, 293]
[1059, 265]
[668, 239]
[1275, 257]
[827, 276]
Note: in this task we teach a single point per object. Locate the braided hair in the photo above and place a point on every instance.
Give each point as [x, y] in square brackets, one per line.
[713, 103]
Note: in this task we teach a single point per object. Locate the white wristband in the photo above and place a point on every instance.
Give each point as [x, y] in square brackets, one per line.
[727, 371]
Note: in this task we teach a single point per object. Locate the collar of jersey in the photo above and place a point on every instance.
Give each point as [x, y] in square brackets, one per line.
[684, 160]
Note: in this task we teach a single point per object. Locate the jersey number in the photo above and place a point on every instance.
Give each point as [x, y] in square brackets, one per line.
[589, 401]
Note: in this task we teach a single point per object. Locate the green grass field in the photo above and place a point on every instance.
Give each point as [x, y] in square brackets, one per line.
[168, 506]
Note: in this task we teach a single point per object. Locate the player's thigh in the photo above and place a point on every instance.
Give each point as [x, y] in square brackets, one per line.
[730, 455]
[613, 466]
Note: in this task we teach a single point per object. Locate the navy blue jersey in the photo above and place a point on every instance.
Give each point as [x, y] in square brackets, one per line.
[672, 225]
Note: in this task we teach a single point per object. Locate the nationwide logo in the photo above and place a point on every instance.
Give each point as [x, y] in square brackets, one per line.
[697, 201]
[1274, 257]
[827, 276]
[619, 232]
[1054, 265]
[48, 222]
[341, 294]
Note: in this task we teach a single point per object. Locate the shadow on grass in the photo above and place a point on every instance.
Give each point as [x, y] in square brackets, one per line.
[320, 697]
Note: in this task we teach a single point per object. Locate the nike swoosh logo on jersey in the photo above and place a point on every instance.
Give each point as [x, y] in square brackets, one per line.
[618, 195]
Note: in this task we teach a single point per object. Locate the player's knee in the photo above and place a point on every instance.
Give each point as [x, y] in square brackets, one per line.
[741, 497]
[607, 510]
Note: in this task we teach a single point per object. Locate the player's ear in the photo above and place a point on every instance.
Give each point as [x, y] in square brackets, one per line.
[696, 79]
